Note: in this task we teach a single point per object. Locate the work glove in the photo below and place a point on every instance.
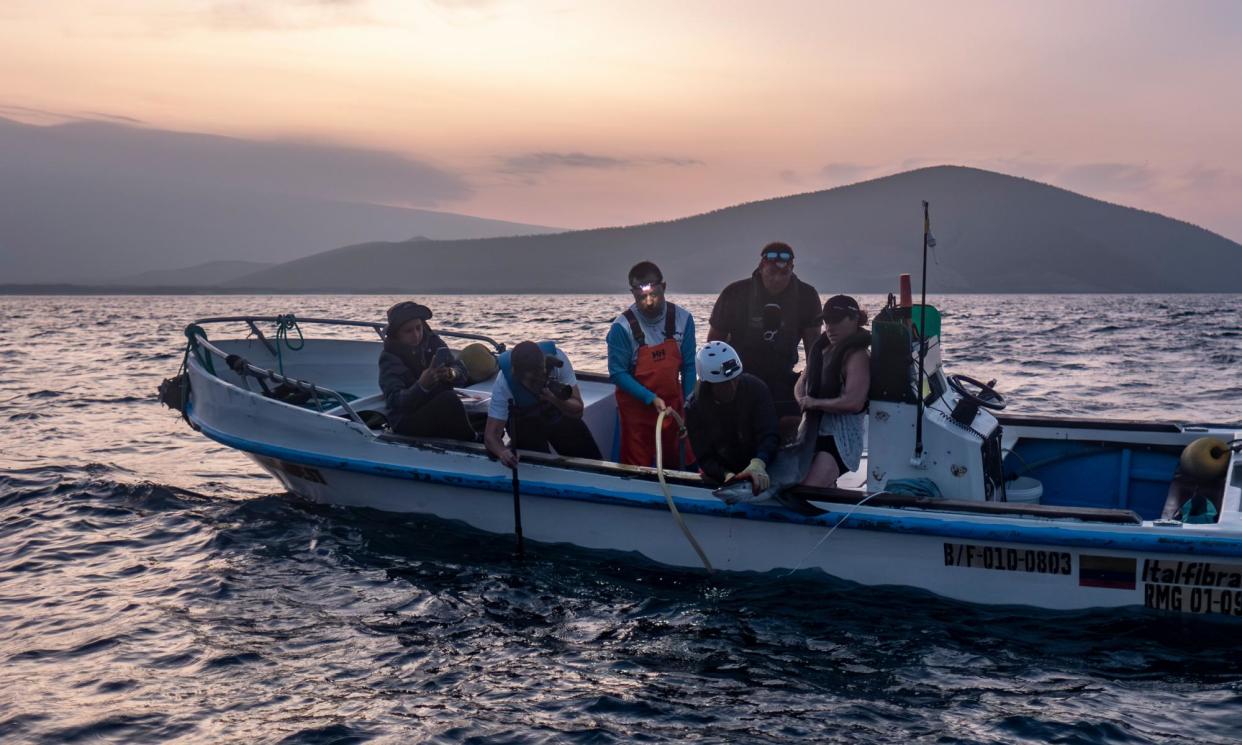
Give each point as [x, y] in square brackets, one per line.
[758, 475]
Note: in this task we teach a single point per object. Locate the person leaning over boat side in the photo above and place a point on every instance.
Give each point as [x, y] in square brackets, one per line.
[832, 390]
[536, 398]
[764, 317]
[417, 379]
[651, 361]
[731, 419]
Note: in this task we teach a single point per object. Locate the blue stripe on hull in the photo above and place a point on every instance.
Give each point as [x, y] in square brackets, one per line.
[1142, 542]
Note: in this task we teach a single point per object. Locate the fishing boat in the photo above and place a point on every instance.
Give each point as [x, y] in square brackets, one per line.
[954, 497]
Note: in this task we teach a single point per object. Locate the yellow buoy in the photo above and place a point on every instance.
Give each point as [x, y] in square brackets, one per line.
[479, 362]
[1205, 459]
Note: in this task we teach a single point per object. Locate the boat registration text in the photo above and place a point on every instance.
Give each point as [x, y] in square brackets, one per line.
[1004, 559]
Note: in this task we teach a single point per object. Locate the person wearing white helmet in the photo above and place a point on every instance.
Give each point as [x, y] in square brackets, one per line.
[731, 419]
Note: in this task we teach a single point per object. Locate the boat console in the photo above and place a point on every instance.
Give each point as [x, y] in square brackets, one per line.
[950, 438]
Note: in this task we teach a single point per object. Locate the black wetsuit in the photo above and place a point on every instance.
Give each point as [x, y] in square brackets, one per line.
[765, 330]
[726, 435]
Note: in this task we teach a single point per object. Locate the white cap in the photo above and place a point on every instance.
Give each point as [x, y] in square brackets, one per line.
[718, 362]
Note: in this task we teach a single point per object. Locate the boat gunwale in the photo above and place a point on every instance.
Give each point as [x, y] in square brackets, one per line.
[802, 498]
[1041, 421]
[1032, 421]
[804, 495]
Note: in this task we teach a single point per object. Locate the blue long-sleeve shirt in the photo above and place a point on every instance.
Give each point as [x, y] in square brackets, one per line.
[622, 351]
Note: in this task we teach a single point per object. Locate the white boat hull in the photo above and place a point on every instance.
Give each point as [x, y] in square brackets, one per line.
[1008, 559]
[987, 572]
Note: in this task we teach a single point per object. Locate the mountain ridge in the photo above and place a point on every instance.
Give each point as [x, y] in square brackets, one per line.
[996, 232]
[92, 202]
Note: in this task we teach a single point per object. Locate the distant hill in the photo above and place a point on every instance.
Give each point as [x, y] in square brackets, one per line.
[996, 233]
[200, 275]
[95, 202]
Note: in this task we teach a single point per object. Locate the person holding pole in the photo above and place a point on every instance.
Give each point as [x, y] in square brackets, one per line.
[538, 388]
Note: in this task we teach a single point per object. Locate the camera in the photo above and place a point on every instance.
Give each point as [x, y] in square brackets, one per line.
[558, 389]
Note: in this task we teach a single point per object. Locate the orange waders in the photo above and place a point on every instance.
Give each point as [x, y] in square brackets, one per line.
[657, 370]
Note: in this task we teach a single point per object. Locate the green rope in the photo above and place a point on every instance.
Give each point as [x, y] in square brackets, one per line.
[192, 333]
[285, 324]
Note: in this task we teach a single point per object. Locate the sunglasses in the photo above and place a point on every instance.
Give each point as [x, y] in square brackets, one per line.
[777, 256]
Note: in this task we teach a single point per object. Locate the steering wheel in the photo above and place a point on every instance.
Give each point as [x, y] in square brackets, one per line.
[985, 395]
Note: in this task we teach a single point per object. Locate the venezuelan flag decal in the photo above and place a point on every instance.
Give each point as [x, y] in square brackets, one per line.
[1114, 572]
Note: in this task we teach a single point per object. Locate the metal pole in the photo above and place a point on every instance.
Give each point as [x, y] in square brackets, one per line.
[918, 383]
[517, 487]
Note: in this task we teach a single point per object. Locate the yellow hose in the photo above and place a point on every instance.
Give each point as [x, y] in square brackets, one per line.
[659, 430]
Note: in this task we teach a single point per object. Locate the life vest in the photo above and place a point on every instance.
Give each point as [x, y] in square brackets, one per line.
[827, 383]
[522, 398]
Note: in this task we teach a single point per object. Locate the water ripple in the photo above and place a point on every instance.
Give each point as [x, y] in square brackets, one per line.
[153, 588]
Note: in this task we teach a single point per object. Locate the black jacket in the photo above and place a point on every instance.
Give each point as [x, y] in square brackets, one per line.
[399, 369]
[725, 436]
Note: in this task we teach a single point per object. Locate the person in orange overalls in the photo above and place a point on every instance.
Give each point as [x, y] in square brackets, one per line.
[651, 352]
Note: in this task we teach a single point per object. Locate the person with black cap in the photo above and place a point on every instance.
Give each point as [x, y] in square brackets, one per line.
[536, 398]
[417, 374]
[832, 391]
[764, 317]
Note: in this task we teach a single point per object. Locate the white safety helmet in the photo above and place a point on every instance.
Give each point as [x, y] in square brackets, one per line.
[718, 362]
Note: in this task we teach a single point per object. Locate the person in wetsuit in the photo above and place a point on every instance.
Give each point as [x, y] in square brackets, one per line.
[731, 420]
[764, 317]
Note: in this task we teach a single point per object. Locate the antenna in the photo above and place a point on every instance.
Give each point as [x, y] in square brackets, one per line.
[918, 460]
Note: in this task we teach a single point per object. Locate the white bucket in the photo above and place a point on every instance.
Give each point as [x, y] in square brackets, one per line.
[1024, 490]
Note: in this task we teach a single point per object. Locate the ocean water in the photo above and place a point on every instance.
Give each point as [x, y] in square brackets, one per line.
[157, 587]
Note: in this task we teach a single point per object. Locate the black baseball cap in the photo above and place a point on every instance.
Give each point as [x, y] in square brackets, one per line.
[404, 312]
[838, 307]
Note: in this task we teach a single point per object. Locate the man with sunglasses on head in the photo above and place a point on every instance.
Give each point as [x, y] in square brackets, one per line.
[651, 361]
[764, 317]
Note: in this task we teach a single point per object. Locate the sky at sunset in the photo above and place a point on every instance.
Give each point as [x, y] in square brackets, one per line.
[580, 114]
